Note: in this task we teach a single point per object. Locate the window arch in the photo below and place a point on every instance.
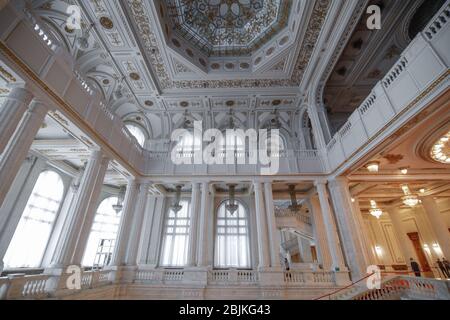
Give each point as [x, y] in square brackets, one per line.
[136, 132]
[232, 245]
[30, 239]
[175, 244]
[103, 235]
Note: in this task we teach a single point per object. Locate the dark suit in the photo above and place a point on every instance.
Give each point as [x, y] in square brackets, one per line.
[416, 268]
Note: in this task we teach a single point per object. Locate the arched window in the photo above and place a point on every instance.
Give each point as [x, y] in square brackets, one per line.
[100, 246]
[30, 239]
[137, 133]
[232, 248]
[176, 237]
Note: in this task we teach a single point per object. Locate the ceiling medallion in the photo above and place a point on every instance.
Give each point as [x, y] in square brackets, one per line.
[228, 27]
[276, 102]
[135, 76]
[440, 151]
[140, 15]
[106, 23]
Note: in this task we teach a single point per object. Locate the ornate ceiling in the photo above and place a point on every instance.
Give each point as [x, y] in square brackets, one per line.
[227, 27]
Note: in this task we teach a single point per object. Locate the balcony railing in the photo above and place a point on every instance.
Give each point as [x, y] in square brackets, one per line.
[42, 286]
[421, 72]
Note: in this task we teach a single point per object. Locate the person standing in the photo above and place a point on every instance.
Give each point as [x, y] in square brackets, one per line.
[446, 266]
[415, 267]
[442, 268]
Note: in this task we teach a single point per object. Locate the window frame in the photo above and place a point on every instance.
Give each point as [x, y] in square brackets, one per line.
[164, 233]
[249, 236]
[64, 181]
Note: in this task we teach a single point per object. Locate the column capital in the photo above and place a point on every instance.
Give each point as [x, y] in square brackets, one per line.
[38, 106]
[20, 93]
[338, 182]
[320, 182]
[257, 185]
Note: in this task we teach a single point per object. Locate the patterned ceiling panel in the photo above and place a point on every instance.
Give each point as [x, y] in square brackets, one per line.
[228, 27]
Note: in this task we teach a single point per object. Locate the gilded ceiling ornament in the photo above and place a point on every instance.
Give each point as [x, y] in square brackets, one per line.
[228, 27]
[106, 23]
[140, 15]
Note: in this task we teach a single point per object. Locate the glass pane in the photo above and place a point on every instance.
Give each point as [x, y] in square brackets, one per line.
[27, 246]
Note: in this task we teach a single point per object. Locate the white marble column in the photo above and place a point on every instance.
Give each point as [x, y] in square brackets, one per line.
[11, 111]
[195, 208]
[67, 243]
[438, 224]
[305, 249]
[320, 234]
[20, 144]
[403, 239]
[204, 230]
[337, 257]
[274, 234]
[261, 226]
[136, 231]
[146, 231]
[364, 234]
[125, 226]
[346, 218]
[316, 127]
[156, 232]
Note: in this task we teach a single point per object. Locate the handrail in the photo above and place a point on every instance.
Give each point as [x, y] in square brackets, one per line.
[367, 276]
[344, 288]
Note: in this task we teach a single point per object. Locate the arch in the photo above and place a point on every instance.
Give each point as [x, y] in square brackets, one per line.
[28, 244]
[138, 132]
[175, 245]
[101, 241]
[232, 237]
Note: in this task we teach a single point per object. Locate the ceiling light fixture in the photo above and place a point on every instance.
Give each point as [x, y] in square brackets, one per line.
[409, 199]
[441, 149]
[295, 207]
[374, 210]
[176, 205]
[119, 205]
[373, 166]
[231, 206]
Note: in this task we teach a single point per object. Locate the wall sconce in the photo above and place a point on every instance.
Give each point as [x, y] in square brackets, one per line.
[379, 251]
[373, 166]
[437, 249]
[353, 200]
[404, 170]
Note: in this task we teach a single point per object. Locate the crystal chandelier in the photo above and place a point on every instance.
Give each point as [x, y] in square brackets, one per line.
[294, 207]
[441, 149]
[373, 166]
[409, 199]
[231, 206]
[176, 205]
[374, 210]
[119, 205]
